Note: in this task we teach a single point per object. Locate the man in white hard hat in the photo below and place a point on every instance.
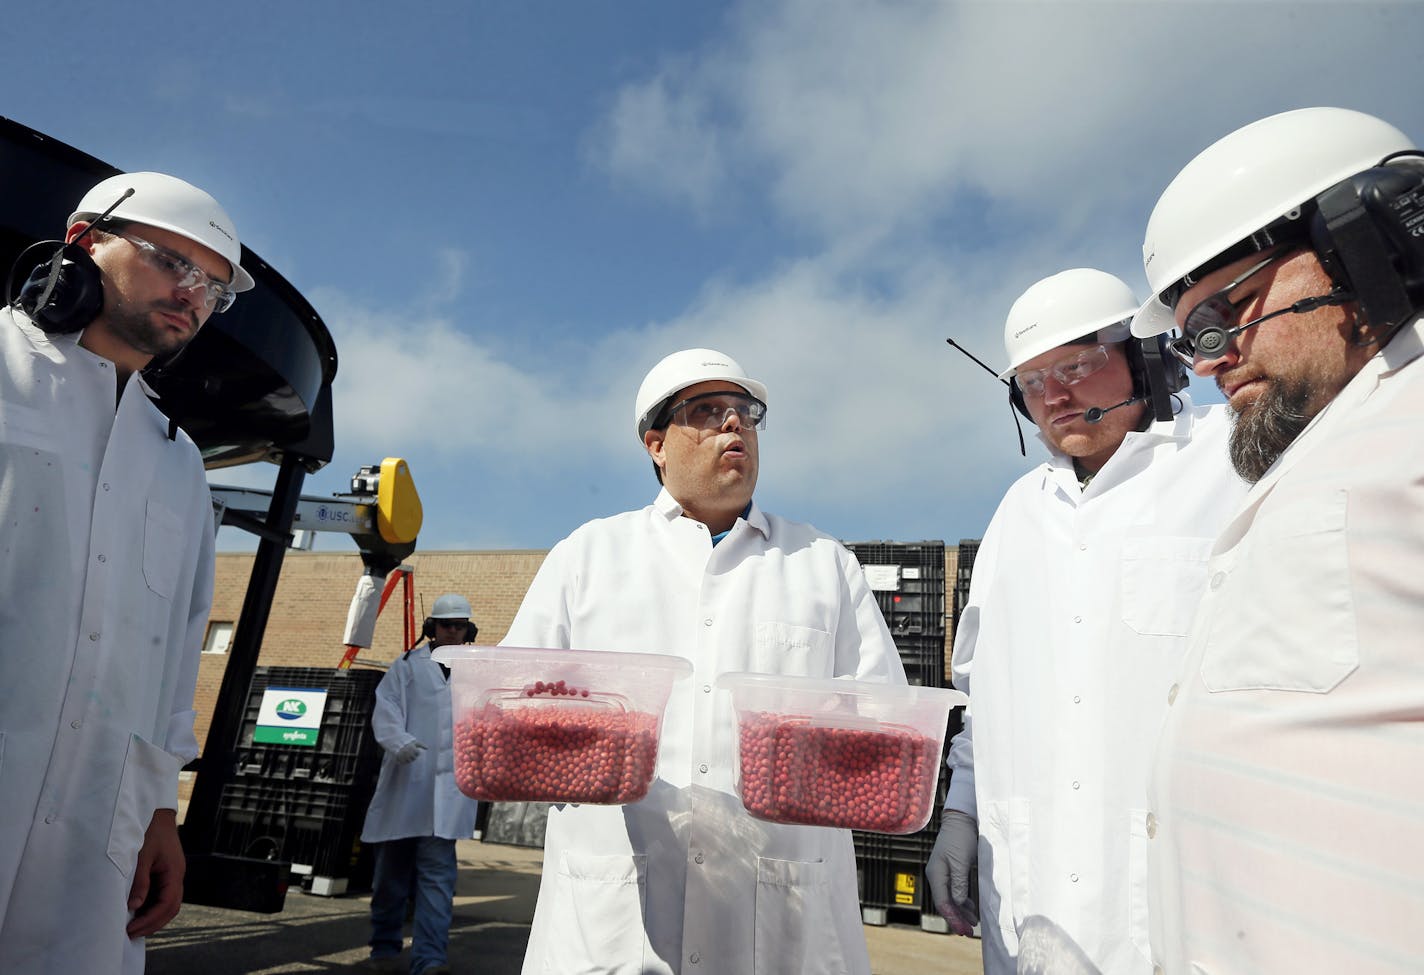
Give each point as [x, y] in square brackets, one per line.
[417, 812]
[685, 880]
[1070, 642]
[1287, 809]
[106, 575]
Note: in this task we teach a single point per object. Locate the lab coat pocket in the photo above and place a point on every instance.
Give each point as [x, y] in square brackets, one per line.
[1162, 582]
[600, 902]
[799, 651]
[1256, 640]
[142, 790]
[794, 926]
[1137, 926]
[1007, 829]
[162, 548]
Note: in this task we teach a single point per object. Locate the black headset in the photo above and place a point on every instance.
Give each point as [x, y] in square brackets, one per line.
[1156, 375]
[62, 294]
[427, 630]
[1368, 232]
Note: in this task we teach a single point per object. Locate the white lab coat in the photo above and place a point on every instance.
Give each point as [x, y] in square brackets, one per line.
[1288, 790]
[106, 573]
[420, 798]
[685, 880]
[1078, 608]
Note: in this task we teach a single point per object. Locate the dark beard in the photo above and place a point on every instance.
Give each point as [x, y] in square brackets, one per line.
[1268, 426]
[138, 332]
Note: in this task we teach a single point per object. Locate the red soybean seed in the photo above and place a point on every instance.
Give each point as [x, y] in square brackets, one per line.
[554, 753]
[793, 771]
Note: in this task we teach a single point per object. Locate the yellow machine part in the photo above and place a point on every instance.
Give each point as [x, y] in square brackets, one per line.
[398, 511]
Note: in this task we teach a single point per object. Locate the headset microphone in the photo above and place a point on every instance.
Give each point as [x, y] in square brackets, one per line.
[1094, 414]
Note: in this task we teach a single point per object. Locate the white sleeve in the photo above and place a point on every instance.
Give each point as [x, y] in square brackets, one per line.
[388, 717]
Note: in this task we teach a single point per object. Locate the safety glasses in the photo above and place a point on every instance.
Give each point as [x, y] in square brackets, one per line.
[1069, 371]
[184, 273]
[709, 411]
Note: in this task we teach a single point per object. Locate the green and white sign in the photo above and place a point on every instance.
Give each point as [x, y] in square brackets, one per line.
[289, 716]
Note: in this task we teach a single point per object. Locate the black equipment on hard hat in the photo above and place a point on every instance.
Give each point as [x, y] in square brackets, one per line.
[1367, 232]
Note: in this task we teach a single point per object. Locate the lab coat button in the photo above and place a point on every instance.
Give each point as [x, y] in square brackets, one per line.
[93, 637]
[1217, 580]
[1077, 699]
[698, 858]
[103, 558]
[106, 487]
[1073, 877]
[1172, 694]
[1075, 785]
[49, 820]
[707, 621]
[76, 724]
[1151, 826]
[1077, 619]
[695, 957]
[706, 688]
[1083, 547]
[702, 768]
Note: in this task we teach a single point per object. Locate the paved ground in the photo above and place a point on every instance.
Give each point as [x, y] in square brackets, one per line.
[493, 905]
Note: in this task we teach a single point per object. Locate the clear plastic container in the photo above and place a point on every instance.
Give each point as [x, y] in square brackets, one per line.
[557, 725]
[844, 753]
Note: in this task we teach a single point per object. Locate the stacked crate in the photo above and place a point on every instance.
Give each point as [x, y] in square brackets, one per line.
[306, 804]
[908, 580]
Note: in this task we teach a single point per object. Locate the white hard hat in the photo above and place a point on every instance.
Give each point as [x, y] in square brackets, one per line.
[171, 204]
[680, 370]
[451, 606]
[1063, 308]
[1247, 181]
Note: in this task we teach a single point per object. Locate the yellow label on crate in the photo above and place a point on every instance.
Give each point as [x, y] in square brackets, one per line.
[904, 888]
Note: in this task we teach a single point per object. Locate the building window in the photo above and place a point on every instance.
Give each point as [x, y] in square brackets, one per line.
[219, 638]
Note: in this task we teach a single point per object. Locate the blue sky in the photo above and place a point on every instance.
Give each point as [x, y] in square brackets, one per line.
[507, 212]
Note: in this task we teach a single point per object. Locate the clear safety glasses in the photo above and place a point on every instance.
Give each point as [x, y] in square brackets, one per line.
[185, 274]
[1069, 371]
[708, 411]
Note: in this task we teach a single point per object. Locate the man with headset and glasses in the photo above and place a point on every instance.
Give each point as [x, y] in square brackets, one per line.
[106, 573]
[1082, 591]
[686, 880]
[1287, 806]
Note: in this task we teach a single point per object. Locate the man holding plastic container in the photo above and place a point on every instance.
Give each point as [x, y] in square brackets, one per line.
[417, 813]
[685, 881]
[1082, 592]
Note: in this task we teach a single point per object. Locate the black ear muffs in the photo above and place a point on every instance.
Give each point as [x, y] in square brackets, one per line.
[65, 293]
[1156, 374]
[1366, 231]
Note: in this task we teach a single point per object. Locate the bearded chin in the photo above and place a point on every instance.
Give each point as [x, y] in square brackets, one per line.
[1266, 427]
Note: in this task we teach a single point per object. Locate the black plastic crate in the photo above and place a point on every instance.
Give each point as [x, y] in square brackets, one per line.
[968, 549]
[914, 604]
[922, 656]
[345, 750]
[306, 804]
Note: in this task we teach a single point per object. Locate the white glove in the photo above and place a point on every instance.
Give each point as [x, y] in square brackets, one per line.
[408, 752]
[955, 852]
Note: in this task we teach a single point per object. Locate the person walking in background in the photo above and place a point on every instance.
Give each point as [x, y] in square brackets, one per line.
[417, 812]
